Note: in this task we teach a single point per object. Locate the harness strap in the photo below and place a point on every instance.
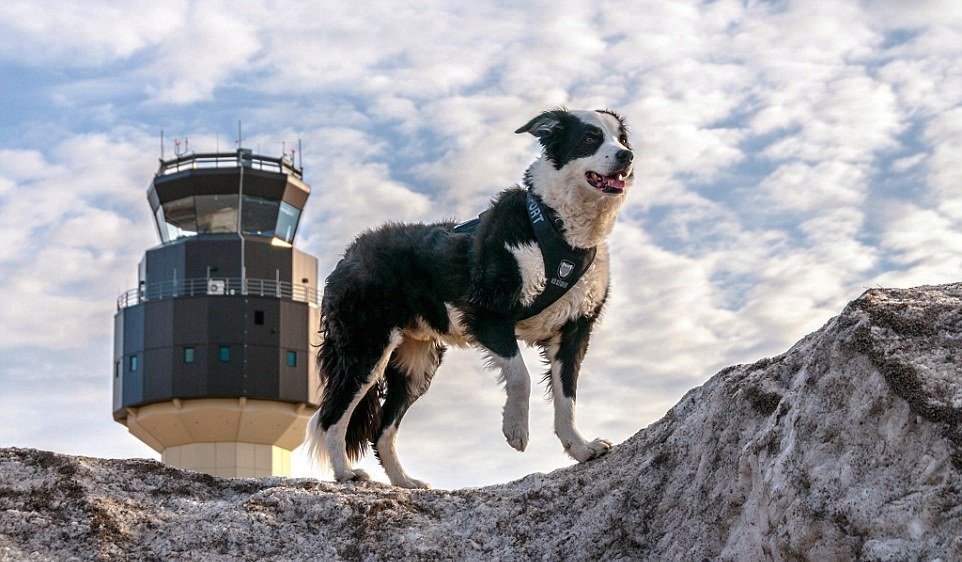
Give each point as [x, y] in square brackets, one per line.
[563, 264]
[469, 226]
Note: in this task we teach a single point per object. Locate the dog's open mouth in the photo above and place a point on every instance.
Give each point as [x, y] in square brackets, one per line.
[615, 183]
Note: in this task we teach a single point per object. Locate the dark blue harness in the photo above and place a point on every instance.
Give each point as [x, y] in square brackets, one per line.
[563, 264]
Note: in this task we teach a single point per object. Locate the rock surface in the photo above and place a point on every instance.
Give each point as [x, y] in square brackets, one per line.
[848, 446]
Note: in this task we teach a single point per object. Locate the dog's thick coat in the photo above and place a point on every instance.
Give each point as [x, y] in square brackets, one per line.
[403, 292]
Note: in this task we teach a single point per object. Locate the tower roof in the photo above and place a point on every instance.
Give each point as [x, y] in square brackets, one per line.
[206, 193]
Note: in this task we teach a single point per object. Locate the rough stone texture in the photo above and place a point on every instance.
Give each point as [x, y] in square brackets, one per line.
[846, 447]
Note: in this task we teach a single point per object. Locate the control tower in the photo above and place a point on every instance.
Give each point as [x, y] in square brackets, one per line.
[213, 365]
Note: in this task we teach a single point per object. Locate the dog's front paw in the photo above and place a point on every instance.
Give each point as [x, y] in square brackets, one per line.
[515, 426]
[413, 483]
[352, 475]
[584, 452]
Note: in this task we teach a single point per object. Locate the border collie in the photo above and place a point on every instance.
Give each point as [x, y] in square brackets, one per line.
[403, 292]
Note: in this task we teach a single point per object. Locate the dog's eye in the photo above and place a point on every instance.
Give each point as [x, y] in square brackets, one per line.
[623, 139]
[591, 140]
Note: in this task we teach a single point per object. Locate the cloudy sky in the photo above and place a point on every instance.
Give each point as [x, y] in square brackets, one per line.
[790, 155]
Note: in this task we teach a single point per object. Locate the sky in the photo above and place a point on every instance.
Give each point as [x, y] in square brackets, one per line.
[789, 156]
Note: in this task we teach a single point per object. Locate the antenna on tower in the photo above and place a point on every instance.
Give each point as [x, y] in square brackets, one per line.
[177, 151]
[161, 144]
[240, 137]
[300, 153]
[289, 154]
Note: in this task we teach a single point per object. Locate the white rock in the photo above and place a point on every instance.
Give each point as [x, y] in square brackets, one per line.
[848, 446]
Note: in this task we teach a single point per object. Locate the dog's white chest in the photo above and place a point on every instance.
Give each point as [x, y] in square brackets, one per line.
[581, 299]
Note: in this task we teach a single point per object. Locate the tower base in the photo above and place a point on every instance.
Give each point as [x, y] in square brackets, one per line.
[230, 437]
[230, 460]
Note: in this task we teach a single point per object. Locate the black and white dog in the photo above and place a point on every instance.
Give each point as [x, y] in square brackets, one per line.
[403, 292]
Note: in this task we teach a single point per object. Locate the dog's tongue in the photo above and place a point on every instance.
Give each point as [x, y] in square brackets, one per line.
[608, 184]
[613, 181]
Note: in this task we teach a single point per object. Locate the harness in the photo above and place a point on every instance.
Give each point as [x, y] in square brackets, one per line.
[563, 264]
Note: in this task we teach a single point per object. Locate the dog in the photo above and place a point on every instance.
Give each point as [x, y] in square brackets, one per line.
[402, 293]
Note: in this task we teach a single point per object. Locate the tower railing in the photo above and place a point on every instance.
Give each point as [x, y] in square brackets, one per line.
[246, 159]
[219, 286]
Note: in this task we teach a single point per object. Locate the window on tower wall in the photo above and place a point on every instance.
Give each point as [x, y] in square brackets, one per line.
[216, 213]
[161, 224]
[287, 222]
[181, 218]
[259, 216]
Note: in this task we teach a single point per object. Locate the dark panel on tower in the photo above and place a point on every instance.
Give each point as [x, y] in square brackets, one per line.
[190, 379]
[159, 324]
[294, 385]
[132, 356]
[260, 371]
[164, 265]
[157, 374]
[118, 366]
[190, 321]
[215, 255]
[266, 263]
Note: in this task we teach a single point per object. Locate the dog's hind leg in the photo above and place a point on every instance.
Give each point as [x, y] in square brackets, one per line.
[565, 354]
[343, 393]
[408, 376]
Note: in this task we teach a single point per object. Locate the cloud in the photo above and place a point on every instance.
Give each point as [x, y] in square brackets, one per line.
[71, 221]
[799, 186]
[82, 34]
[215, 40]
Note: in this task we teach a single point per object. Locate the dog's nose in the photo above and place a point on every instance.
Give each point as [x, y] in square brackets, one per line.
[625, 156]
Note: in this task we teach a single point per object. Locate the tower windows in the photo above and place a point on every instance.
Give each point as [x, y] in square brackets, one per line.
[188, 355]
[287, 220]
[223, 353]
[134, 363]
[291, 358]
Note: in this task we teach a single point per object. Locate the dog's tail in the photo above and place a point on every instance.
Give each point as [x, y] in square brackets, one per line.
[364, 422]
[315, 442]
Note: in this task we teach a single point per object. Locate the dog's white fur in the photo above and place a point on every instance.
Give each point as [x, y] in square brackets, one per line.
[531, 263]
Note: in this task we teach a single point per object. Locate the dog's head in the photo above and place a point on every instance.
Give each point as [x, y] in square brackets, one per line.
[586, 151]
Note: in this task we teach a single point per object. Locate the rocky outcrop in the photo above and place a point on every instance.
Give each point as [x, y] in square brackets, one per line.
[848, 446]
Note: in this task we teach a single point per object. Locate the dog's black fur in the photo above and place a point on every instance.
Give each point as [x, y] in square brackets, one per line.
[397, 285]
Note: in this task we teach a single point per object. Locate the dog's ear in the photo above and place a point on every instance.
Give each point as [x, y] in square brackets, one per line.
[543, 124]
